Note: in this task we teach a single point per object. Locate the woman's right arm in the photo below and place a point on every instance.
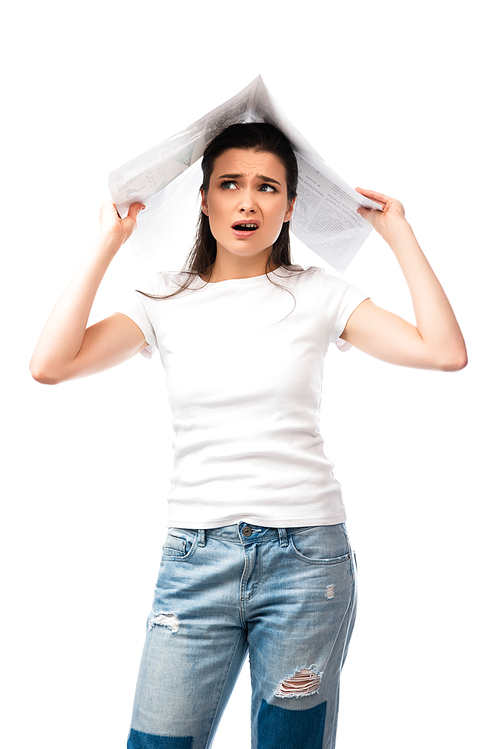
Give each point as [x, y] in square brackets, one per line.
[67, 348]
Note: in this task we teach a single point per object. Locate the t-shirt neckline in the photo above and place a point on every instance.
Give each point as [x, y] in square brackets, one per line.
[250, 279]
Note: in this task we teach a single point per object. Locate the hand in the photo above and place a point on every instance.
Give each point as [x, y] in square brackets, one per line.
[112, 224]
[391, 211]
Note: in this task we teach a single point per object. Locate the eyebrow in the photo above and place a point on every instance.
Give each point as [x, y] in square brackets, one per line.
[259, 176]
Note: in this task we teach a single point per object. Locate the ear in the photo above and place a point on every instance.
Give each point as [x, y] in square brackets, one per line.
[289, 210]
[204, 206]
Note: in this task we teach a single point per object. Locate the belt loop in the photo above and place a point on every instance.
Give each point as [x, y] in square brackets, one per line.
[283, 536]
[201, 537]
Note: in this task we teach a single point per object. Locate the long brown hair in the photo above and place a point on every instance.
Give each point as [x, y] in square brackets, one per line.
[255, 136]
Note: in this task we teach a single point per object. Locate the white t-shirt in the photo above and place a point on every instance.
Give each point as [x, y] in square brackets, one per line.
[244, 370]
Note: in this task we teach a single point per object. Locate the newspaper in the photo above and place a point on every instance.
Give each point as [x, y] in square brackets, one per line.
[167, 179]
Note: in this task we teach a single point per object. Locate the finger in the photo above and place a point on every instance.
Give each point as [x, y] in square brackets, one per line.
[364, 212]
[135, 209]
[130, 219]
[108, 210]
[379, 197]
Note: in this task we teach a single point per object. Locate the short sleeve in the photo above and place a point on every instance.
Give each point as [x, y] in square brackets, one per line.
[339, 299]
[140, 309]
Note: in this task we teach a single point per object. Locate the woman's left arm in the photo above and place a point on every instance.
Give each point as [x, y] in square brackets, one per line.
[436, 341]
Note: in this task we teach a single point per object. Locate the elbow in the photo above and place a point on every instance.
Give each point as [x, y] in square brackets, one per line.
[45, 379]
[44, 376]
[454, 363]
[457, 365]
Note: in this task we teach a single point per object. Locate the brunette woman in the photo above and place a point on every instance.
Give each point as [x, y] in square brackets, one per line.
[257, 558]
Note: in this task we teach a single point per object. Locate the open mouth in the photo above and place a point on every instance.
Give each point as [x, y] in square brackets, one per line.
[249, 226]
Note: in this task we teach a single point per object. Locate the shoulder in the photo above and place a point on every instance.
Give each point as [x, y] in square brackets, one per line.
[167, 282]
[332, 287]
[312, 278]
[328, 279]
[295, 274]
[297, 271]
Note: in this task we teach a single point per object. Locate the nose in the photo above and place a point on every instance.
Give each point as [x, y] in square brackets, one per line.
[247, 203]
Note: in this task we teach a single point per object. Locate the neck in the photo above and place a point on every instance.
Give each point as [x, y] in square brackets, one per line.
[227, 267]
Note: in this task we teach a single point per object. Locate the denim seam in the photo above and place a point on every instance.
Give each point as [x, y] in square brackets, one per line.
[348, 614]
[328, 561]
[211, 729]
[256, 573]
[244, 581]
[189, 555]
[237, 542]
[306, 528]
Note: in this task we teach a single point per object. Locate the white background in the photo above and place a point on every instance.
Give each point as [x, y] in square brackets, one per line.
[396, 97]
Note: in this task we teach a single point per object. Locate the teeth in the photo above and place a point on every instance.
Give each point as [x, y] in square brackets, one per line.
[248, 226]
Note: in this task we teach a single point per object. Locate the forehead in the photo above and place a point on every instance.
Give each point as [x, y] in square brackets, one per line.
[249, 163]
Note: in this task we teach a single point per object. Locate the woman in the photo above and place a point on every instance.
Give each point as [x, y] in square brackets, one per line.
[257, 557]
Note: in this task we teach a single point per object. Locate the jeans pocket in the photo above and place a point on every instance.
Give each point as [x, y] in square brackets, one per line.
[181, 544]
[321, 544]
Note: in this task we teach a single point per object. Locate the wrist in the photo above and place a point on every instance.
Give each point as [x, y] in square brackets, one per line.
[107, 243]
[398, 230]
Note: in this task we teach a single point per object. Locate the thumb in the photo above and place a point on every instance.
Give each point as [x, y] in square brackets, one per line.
[134, 210]
[364, 212]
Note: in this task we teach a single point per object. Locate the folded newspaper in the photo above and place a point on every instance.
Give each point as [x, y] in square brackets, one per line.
[167, 179]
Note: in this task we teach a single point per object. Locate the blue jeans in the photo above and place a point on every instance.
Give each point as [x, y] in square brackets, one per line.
[285, 596]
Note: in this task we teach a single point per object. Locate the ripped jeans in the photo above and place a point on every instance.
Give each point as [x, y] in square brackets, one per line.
[285, 596]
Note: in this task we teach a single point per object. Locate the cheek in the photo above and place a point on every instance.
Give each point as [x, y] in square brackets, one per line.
[217, 207]
[279, 221]
[215, 216]
[217, 219]
[277, 233]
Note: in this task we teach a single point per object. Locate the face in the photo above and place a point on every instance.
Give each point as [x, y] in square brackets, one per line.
[246, 202]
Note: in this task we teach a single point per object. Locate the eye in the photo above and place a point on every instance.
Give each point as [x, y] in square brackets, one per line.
[228, 185]
[267, 188]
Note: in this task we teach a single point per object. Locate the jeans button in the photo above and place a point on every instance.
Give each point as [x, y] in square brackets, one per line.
[247, 531]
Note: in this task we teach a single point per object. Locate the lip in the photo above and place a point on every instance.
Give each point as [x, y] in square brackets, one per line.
[245, 233]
